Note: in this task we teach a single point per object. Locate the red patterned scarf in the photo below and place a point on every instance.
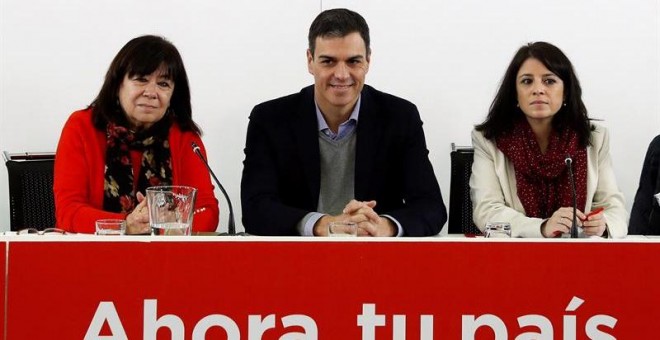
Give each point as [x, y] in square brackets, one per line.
[155, 168]
[542, 180]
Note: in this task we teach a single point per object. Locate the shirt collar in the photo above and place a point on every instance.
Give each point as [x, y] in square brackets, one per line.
[322, 124]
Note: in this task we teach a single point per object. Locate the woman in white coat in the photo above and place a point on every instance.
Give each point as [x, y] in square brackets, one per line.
[536, 121]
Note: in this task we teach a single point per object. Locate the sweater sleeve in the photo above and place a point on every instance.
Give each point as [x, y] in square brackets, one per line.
[75, 209]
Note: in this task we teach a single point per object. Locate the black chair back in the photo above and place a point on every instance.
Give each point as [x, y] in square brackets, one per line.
[460, 204]
[31, 200]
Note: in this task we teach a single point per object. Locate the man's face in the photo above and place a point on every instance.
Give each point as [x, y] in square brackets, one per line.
[339, 66]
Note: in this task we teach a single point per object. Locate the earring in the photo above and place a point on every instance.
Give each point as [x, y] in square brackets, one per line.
[517, 104]
[564, 103]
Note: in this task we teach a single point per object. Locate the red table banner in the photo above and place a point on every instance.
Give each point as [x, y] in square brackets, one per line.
[3, 284]
[219, 288]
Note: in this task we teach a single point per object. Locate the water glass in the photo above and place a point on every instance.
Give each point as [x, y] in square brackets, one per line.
[657, 197]
[342, 229]
[171, 209]
[110, 226]
[498, 230]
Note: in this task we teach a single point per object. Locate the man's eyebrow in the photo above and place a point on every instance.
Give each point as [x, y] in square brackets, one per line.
[357, 56]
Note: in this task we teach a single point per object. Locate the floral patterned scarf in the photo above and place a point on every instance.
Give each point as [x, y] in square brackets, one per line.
[155, 168]
[542, 180]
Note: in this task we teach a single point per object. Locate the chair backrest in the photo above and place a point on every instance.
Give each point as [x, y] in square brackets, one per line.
[460, 204]
[31, 201]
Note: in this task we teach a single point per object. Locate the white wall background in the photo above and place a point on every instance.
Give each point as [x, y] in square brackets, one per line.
[446, 56]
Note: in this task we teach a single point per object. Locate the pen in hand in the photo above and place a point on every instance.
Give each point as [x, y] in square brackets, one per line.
[593, 212]
[586, 217]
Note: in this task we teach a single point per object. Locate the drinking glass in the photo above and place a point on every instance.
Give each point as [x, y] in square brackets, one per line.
[110, 226]
[171, 209]
[498, 230]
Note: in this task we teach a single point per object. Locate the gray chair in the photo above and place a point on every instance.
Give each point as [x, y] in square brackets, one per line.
[31, 200]
[460, 204]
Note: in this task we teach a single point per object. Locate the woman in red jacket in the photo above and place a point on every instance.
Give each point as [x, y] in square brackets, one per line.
[137, 133]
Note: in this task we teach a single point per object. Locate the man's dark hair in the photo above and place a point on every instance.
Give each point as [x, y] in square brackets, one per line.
[337, 23]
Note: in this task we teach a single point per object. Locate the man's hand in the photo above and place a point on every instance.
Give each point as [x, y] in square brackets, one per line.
[362, 213]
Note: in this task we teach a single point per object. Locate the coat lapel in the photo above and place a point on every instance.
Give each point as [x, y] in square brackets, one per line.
[305, 130]
[368, 138]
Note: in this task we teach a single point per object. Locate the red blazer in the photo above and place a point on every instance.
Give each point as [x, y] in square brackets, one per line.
[79, 169]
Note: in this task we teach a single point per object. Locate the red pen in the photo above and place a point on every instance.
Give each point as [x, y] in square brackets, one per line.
[593, 212]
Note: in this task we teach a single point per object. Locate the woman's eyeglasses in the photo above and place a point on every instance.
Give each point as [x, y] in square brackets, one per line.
[47, 231]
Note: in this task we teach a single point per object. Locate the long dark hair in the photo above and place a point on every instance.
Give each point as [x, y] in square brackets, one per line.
[142, 56]
[503, 112]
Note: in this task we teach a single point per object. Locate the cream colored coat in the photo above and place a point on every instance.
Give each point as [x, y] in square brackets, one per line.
[495, 198]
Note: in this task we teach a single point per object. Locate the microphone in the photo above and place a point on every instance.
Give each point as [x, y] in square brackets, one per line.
[231, 227]
[569, 165]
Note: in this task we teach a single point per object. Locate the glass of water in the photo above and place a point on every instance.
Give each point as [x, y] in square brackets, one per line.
[498, 230]
[110, 227]
[171, 209]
